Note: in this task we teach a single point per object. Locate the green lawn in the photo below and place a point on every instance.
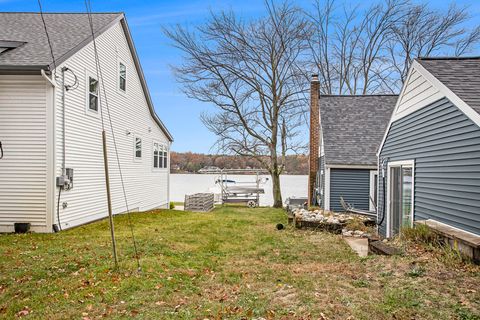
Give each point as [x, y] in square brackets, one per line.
[228, 264]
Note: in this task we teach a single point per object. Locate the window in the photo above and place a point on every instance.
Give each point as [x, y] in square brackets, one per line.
[164, 157]
[156, 155]
[400, 194]
[373, 190]
[138, 148]
[159, 156]
[92, 94]
[122, 80]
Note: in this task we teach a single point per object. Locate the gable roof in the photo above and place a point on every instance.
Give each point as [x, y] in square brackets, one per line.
[460, 74]
[353, 127]
[455, 78]
[68, 32]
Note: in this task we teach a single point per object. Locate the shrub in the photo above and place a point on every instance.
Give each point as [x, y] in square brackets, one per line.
[172, 205]
[424, 236]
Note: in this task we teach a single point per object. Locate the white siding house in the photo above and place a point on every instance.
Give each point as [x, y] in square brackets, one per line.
[32, 126]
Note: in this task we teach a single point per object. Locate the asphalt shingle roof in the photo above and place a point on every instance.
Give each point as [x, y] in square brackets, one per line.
[353, 127]
[461, 75]
[66, 31]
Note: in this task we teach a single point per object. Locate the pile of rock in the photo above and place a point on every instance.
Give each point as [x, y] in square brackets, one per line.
[331, 221]
[324, 216]
[355, 233]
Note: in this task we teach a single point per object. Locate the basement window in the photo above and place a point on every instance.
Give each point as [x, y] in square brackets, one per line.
[92, 94]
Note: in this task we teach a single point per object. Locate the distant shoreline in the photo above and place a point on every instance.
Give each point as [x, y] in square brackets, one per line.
[237, 174]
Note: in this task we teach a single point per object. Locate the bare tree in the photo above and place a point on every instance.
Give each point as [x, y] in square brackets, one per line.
[252, 72]
[424, 32]
[349, 48]
[371, 51]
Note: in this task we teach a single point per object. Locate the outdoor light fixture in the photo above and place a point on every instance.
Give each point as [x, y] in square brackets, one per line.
[384, 166]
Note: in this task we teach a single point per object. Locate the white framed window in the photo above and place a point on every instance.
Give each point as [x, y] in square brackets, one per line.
[164, 156]
[137, 147]
[122, 76]
[160, 156]
[92, 94]
[400, 196]
[156, 155]
[373, 190]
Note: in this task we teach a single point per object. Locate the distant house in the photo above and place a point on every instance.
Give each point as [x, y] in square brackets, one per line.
[208, 169]
[430, 154]
[345, 132]
[47, 131]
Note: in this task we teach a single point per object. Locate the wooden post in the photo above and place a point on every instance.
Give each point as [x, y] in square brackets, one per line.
[109, 199]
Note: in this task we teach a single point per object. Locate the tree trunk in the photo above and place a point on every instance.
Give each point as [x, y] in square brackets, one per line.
[277, 195]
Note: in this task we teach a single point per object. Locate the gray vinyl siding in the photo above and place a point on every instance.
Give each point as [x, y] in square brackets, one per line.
[351, 184]
[445, 145]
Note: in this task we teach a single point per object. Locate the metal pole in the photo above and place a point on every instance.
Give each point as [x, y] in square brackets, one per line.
[258, 192]
[109, 200]
[221, 186]
[64, 147]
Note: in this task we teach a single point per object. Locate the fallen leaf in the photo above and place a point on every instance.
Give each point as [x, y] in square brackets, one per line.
[24, 312]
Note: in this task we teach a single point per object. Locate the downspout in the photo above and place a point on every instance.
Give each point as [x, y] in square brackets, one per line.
[50, 190]
[52, 82]
[383, 163]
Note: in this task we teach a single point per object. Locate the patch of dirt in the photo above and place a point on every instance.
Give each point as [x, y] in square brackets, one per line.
[286, 295]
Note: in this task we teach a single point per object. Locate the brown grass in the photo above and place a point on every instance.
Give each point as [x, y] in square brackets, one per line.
[231, 263]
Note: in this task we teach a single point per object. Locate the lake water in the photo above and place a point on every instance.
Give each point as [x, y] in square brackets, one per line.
[182, 184]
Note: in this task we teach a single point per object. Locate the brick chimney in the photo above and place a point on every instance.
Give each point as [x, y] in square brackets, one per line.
[314, 136]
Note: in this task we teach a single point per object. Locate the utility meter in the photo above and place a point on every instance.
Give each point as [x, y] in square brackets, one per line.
[65, 181]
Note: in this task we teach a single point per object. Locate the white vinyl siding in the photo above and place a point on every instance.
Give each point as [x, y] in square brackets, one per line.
[23, 169]
[130, 113]
[418, 91]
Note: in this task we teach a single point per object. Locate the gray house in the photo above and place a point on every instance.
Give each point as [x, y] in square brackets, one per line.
[345, 133]
[429, 158]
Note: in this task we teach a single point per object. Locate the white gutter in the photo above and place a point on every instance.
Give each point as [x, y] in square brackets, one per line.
[42, 72]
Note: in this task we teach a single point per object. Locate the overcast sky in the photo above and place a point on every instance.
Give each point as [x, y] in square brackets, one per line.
[145, 18]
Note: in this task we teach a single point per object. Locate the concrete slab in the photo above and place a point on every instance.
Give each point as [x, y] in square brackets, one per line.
[359, 245]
